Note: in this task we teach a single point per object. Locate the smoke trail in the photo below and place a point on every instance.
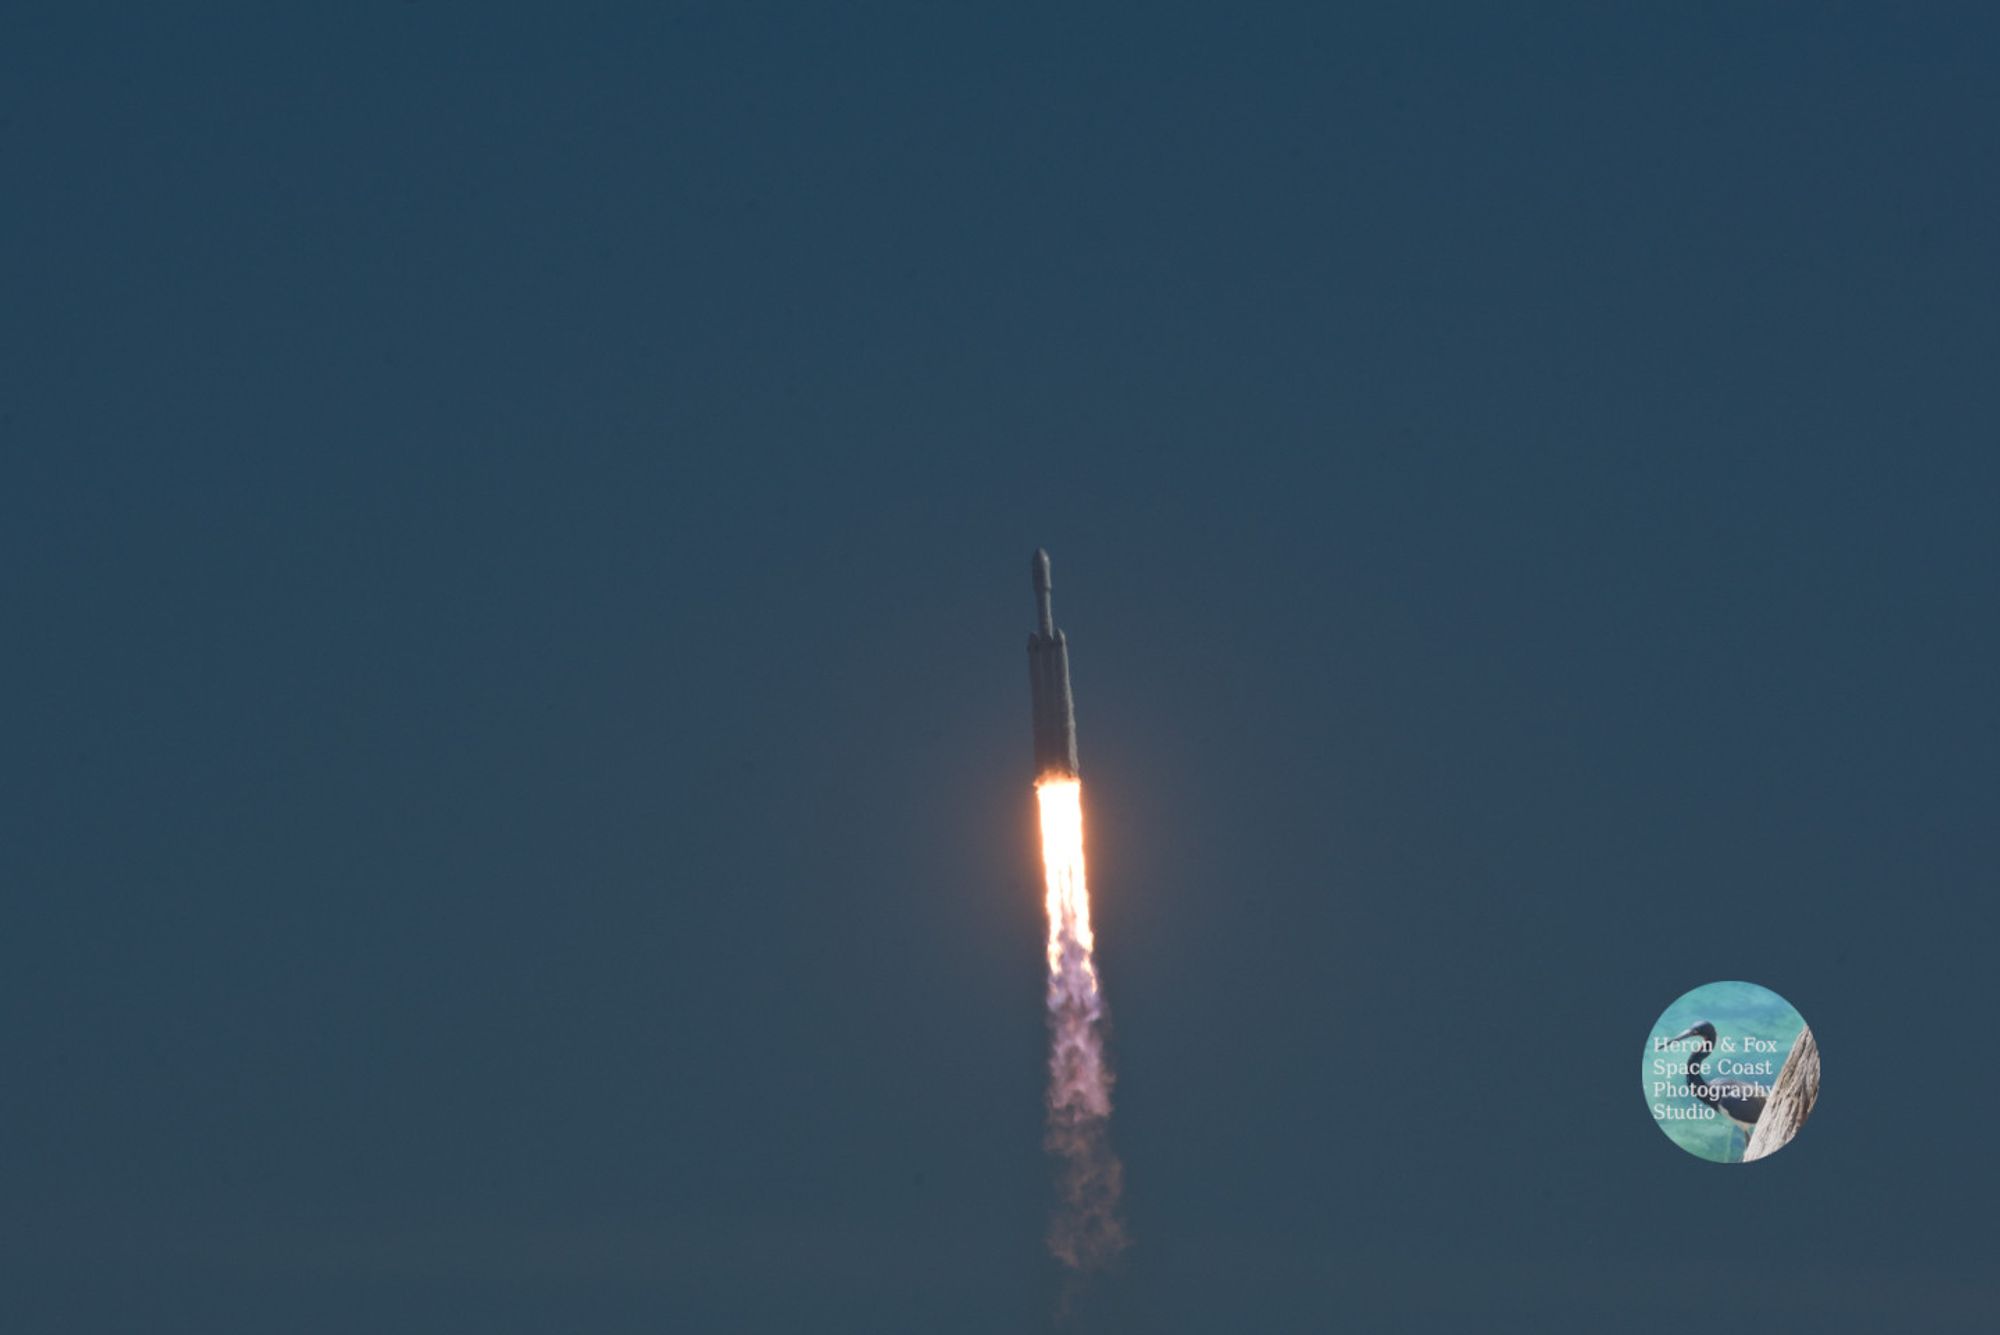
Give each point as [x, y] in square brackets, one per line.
[1085, 1233]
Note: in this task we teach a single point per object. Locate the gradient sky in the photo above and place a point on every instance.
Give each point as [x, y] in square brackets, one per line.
[516, 760]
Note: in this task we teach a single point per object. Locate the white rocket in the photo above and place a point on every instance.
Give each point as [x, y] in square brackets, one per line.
[1048, 683]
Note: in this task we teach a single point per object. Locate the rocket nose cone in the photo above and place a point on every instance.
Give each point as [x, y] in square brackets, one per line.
[1039, 568]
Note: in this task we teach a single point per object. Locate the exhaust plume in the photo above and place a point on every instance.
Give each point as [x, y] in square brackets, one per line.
[1085, 1233]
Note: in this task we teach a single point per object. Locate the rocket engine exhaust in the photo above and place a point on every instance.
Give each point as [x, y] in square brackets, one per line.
[1085, 1232]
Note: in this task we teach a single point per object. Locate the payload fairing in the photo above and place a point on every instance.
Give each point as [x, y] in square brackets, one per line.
[1048, 683]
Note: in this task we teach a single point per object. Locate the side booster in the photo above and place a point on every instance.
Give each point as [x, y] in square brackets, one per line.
[1048, 683]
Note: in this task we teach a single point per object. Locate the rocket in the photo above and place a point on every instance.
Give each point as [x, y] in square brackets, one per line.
[1048, 683]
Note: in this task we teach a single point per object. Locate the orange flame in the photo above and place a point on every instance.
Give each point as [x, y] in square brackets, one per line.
[1062, 870]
